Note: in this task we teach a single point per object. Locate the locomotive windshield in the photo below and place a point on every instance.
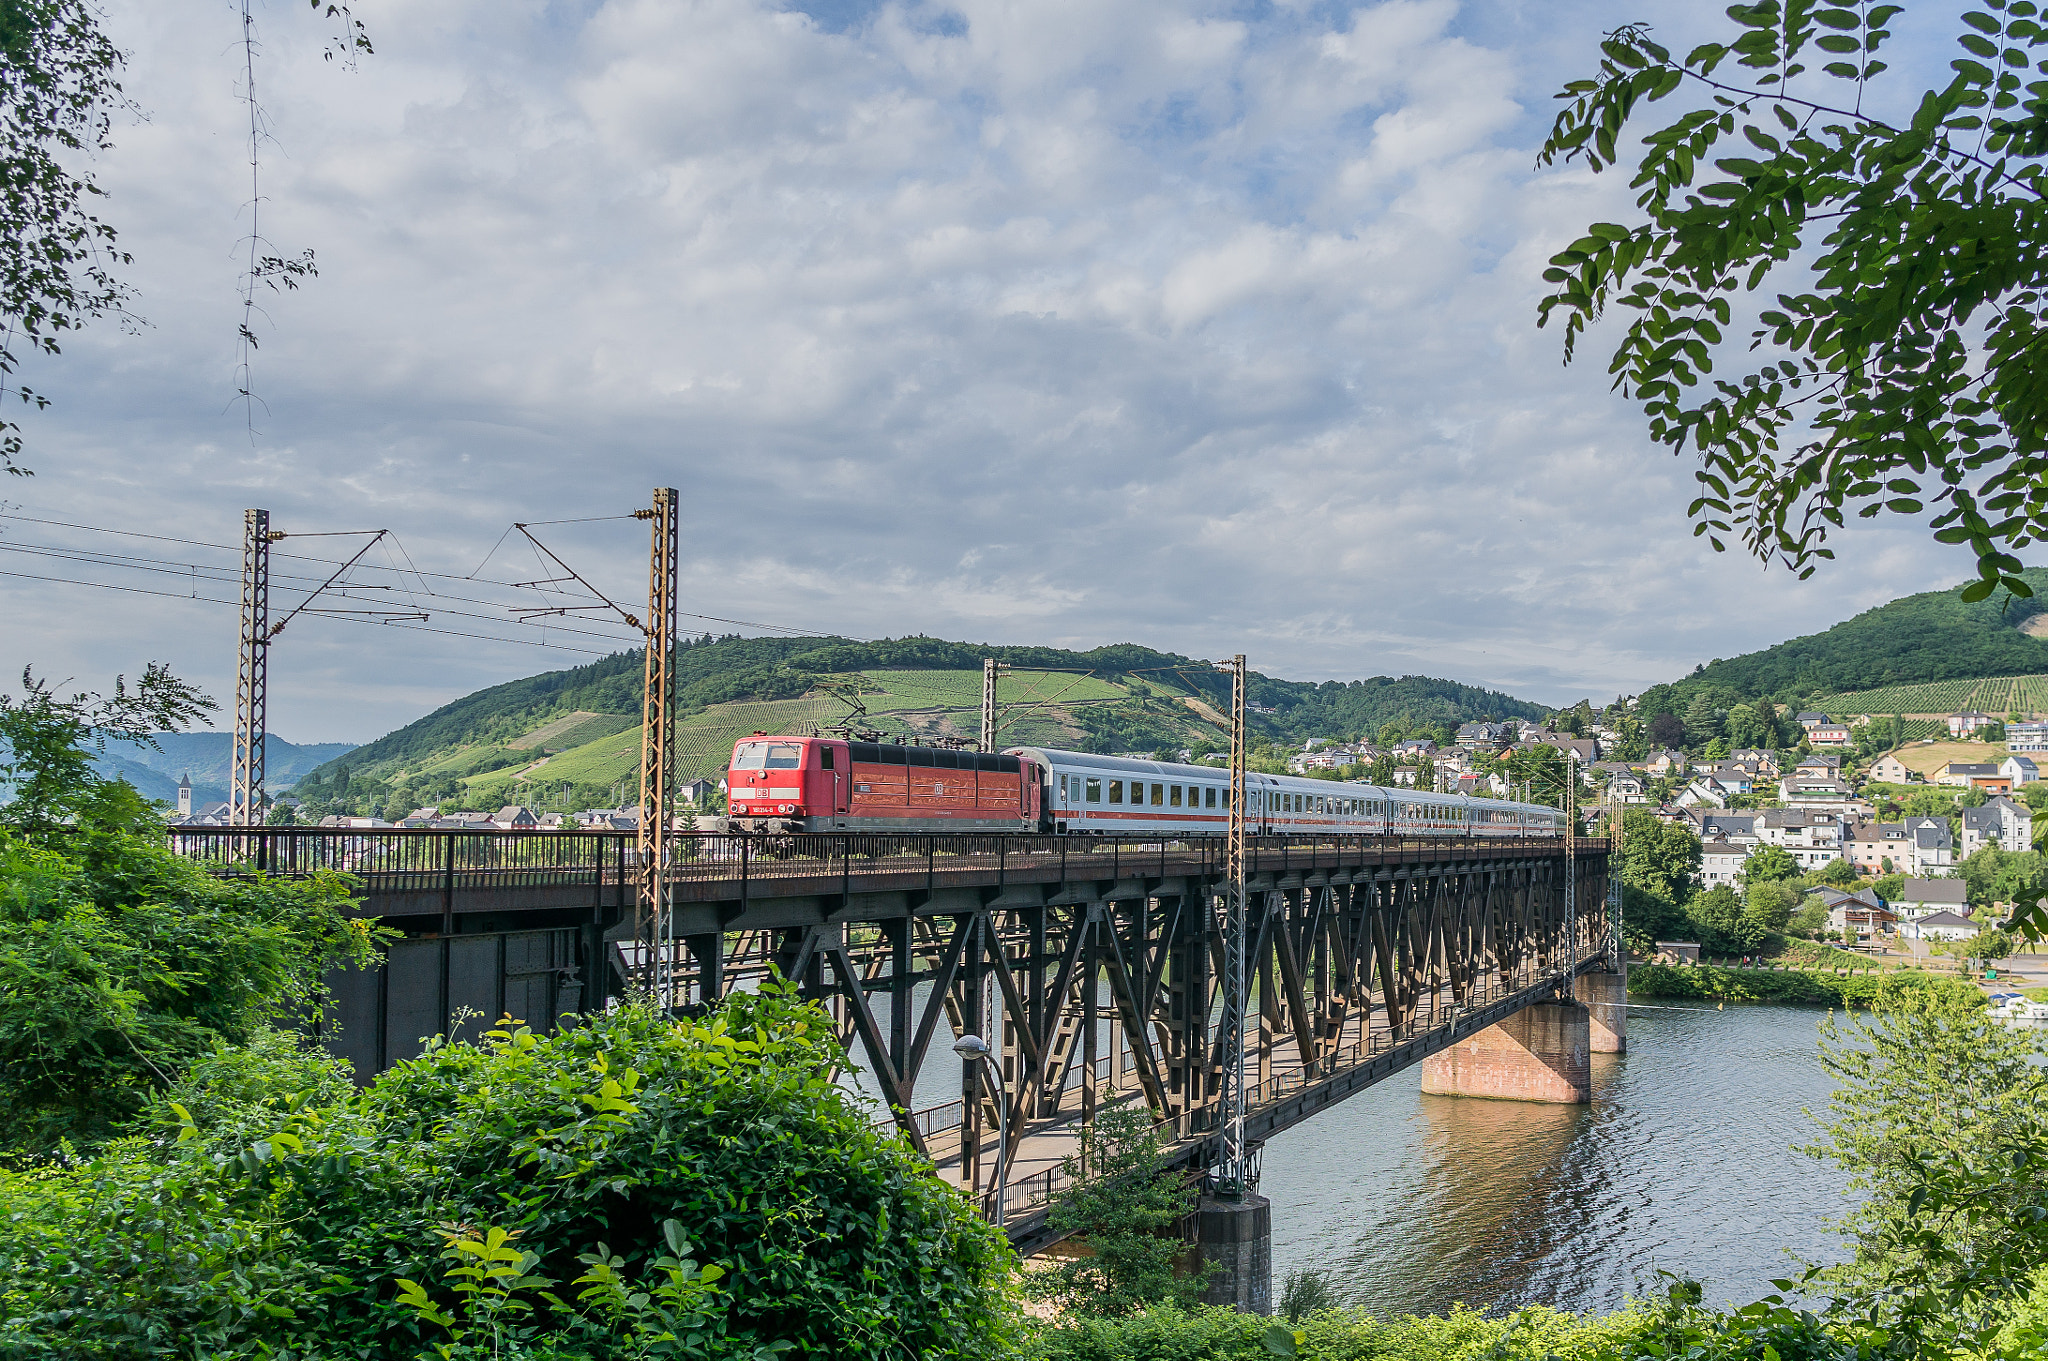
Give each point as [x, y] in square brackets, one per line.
[768, 756]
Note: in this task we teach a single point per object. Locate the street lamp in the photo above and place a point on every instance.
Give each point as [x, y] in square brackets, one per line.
[974, 1049]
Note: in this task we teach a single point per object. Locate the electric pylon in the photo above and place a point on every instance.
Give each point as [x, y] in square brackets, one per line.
[1233, 1172]
[657, 749]
[252, 672]
[988, 703]
[1571, 869]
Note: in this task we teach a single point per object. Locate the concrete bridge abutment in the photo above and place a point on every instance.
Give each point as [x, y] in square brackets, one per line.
[1236, 1237]
[1605, 996]
[1541, 1053]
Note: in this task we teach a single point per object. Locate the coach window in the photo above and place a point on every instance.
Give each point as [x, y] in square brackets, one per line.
[1212, 796]
[1158, 796]
[1116, 791]
[1095, 791]
[1175, 799]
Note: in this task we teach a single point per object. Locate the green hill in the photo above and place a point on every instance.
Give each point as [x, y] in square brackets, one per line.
[1917, 641]
[573, 737]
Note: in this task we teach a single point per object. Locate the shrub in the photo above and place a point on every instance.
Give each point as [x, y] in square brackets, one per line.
[609, 1168]
[1871, 991]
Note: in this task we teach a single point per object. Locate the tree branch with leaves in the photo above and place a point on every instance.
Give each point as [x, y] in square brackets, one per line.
[1906, 372]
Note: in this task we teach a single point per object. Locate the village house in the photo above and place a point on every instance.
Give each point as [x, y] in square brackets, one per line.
[2020, 770]
[1703, 792]
[2001, 823]
[1859, 915]
[1939, 926]
[1933, 848]
[2030, 736]
[1967, 722]
[1828, 734]
[513, 817]
[1889, 769]
[1878, 847]
[1758, 760]
[1482, 736]
[1662, 763]
[1962, 774]
[1739, 828]
[1924, 897]
[1810, 721]
[1721, 862]
[1626, 787]
[1814, 839]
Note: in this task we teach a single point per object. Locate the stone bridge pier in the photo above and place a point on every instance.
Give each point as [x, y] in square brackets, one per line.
[1542, 1052]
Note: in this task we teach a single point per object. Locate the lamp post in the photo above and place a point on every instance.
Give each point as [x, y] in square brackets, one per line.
[974, 1049]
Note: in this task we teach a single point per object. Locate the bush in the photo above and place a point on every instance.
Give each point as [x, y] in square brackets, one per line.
[1166, 1333]
[121, 963]
[631, 1188]
[1871, 991]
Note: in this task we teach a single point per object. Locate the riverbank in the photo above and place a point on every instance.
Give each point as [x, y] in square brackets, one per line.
[1799, 986]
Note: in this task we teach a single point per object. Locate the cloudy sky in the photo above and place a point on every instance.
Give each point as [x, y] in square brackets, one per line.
[1203, 325]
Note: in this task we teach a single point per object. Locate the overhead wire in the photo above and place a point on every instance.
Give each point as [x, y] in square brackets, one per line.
[417, 573]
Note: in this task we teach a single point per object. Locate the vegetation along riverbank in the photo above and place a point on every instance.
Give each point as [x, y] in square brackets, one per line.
[1867, 991]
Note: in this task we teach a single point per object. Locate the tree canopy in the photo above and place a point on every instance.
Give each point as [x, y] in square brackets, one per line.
[1899, 357]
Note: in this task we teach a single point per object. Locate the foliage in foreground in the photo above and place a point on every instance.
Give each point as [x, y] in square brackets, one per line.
[1128, 1210]
[1900, 371]
[1170, 1333]
[632, 1188]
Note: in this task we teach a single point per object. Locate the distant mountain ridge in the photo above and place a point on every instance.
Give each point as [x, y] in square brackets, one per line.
[1140, 699]
[209, 758]
[1932, 636]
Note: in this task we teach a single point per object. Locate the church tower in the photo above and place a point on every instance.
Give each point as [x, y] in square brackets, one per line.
[185, 795]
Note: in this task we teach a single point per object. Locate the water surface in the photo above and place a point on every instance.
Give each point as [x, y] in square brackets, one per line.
[1684, 1161]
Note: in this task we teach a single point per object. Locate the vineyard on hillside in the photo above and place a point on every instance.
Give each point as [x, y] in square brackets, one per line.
[1997, 695]
[1034, 708]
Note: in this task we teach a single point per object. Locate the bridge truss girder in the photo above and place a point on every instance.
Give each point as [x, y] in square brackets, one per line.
[1341, 961]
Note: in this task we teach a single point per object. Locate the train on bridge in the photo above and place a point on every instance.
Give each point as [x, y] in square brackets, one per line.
[825, 784]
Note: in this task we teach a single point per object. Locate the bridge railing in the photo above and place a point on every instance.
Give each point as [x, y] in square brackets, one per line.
[409, 859]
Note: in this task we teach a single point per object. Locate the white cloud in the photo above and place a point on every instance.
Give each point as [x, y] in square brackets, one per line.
[1063, 322]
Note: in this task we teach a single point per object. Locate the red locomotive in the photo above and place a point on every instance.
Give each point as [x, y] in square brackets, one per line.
[815, 784]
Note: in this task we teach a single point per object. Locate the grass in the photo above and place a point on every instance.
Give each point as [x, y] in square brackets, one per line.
[1932, 757]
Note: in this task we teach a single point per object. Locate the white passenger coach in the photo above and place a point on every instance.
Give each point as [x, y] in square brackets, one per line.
[1111, 794]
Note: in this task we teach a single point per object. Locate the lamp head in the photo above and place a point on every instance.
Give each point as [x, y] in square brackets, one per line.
[971, 1047]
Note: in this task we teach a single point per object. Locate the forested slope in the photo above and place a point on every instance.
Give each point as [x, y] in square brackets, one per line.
[1933, 636]
[1133, 698]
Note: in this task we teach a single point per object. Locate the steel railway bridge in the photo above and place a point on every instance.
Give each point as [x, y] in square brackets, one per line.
[1093, 965]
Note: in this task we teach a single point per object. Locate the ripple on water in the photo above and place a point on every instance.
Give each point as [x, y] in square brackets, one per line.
[1684, 1161]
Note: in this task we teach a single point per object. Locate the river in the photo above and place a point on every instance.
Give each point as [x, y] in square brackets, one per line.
[1684, 1161]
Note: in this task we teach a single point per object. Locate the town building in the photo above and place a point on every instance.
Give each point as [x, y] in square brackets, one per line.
[1962, 774]
[1878, 847]
[1938, 926]
[1662, 763]
[1923, 897]
[1738, 828]
[1721, 862]
[2030, 736]
[1814, 839]
[1482, 736]
[1934, 850]
[1828, 734]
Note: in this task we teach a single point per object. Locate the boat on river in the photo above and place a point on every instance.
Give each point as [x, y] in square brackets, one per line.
[2021, 1014]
